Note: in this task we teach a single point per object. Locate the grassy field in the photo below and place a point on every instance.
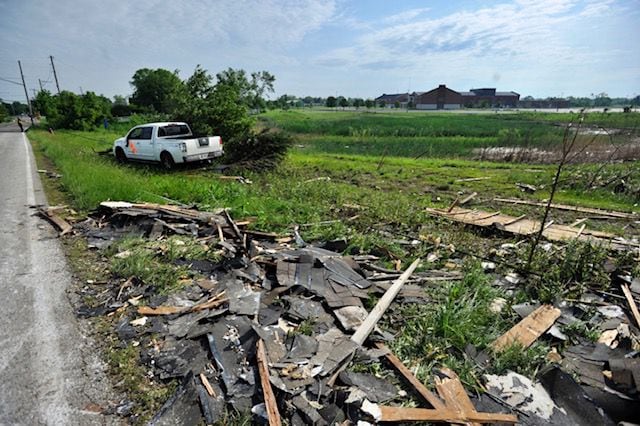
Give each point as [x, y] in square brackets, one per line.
[375, 196]
[443, 135]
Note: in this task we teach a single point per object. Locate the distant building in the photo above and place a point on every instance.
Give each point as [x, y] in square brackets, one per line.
[443, 97]
[389, 101]
[489, 97]
[439, 98]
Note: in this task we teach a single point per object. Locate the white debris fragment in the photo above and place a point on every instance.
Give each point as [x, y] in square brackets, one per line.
[139, 321]
[518, 391]
[488, 266]
[513, 278]
[497, 305]
[123, 254]
[372, 409]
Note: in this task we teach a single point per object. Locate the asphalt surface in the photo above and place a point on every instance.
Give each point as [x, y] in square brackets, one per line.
[50, 372]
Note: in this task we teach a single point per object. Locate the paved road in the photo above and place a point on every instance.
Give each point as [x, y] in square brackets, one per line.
[48, 373]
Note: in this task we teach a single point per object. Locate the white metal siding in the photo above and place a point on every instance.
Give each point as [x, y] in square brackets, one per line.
[426, 106]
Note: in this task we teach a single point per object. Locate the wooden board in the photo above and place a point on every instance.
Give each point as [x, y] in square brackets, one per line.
[429, 396]
[529, 329]
[599, 212]
[525, 226]
[269, 398]
[400, 414]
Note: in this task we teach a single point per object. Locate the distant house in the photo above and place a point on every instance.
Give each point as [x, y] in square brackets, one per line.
[439, 98]
[389, 101]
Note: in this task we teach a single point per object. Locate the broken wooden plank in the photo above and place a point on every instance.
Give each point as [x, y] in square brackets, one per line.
[553, 232]
[632, 303]
[512, 221]
[473, 179]
[429, 396]
[269, 398]
[63, 226]
[160, 310]
[468, 198]
[454, 394]
[376, 313]
[609, 213]
[207, 385]
[529, 329]
[383, 413]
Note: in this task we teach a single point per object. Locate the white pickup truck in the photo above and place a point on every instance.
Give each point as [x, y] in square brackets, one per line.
[167, 143]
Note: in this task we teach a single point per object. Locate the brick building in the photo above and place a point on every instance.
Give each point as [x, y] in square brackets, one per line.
[439, 98]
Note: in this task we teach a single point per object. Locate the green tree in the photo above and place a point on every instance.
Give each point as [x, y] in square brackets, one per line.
[4, 113]
[369, 104]
[331, 102]
[358, 102]
[602, 100]
[214, 109]
[157, 90]
[343, 102]
[252, 90]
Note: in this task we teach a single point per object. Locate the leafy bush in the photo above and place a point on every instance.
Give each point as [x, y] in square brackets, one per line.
[258, 151]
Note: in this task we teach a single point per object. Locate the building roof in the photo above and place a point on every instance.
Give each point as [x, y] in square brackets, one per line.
[392, 97]
[511, 93]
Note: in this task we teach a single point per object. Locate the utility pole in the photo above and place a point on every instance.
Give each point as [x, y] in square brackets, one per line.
[81, 92]
[54, 74]
[26, 94]
[40, 82]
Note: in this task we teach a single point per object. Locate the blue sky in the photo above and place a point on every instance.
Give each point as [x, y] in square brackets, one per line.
[328, 47]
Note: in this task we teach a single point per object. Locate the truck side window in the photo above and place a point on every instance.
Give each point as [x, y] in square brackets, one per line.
[135, 133]
[146, 133]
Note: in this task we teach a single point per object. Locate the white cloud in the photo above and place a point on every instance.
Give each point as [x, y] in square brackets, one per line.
[524, 29]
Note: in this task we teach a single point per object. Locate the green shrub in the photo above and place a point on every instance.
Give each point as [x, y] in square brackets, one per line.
[258, 151]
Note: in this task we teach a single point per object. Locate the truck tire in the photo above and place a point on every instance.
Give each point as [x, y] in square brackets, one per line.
[121, 157]
[167, 161]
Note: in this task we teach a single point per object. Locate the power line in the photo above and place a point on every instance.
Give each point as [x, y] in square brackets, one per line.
[10, 81]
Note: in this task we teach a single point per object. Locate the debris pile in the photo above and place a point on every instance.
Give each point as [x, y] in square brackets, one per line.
[269, 329]
[273, 326]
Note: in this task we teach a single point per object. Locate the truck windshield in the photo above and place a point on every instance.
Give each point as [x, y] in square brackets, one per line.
[173, 130]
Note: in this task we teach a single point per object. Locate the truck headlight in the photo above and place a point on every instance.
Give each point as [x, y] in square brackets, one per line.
[183, 147]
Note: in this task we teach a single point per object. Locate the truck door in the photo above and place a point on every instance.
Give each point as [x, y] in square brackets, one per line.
[139, 143]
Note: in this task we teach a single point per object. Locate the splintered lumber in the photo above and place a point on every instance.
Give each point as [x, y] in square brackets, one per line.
[63, 226]
[529, 329]
[455, 397]
[170, 310]
[269, 398]
[429, 396]
[468, 198]
[599, 212]
[383, 413]
[160, 310]
[632, 303]
[376, 313]
[207, 385]
[529, 227]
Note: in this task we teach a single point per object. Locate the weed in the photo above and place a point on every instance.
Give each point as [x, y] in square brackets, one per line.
[525, 361]
[136, 258]
[568, 272]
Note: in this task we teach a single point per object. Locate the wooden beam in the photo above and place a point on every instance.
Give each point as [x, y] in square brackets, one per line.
[529, 329]
[632, 303]
[269, 398]
[609, 213]
[376, 313]
[429, 396]
[385, 413]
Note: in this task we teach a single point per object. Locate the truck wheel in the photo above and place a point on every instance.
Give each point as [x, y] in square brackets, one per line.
[167, 161]
[121, 157]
